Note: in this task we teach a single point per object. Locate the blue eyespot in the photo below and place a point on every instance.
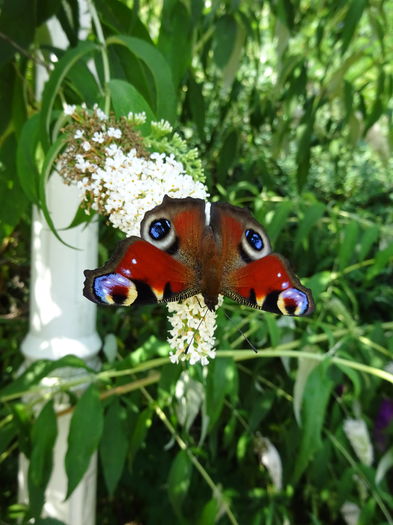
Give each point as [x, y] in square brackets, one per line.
[254, 240]
[159, 229]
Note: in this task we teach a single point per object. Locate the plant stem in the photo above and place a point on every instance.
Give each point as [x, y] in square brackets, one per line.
[217, 493]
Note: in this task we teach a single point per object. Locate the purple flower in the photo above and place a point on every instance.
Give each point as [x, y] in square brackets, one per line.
[382, 421]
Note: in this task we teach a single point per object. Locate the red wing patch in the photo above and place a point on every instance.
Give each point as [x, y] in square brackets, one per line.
[270, 285]
[139, 273]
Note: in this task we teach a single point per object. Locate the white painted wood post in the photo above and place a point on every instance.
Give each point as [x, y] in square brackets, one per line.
[62, 322]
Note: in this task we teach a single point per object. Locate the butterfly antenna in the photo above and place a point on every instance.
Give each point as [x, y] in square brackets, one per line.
[197, 328]
[243, 334]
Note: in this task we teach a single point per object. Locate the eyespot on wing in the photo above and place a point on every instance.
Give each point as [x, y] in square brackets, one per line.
[109, 289]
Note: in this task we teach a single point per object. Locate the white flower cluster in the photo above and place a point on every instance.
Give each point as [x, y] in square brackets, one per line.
[123, 183]
[192, 335]
[128, 186]
[357, 434]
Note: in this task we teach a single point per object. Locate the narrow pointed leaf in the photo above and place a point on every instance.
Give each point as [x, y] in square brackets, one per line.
[179, 480]
[54, 83]
[84, 435]
[43, 439]
[153, 59]
[114, 444]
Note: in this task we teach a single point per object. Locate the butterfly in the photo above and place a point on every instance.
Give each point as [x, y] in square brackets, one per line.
[188, 247]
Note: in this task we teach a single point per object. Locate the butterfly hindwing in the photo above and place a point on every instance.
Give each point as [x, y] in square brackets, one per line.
[139, 273]
[269, 284]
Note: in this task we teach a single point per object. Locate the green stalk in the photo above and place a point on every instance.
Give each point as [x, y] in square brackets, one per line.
[104, 54]
[217, 493]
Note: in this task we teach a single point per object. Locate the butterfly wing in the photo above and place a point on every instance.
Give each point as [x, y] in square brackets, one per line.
[269, 284]
[139, 273]
[161, 266]
[252, 274]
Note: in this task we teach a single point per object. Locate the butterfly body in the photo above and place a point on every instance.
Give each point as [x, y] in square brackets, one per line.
[189, 247]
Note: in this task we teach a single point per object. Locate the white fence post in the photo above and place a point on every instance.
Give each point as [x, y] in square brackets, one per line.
[62, 322]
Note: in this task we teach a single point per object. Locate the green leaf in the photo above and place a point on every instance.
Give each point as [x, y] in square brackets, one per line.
[175, 38]
[279, 220]
[310, 218]
[38, 370]
[315, 399]
[384, 465]
[54, 82]
[242, 446]
[25, 158]
[7, 434]
[84, 83]
[305, 367]
[232, 65]
[221, 380]
[228, 154]
[197, 106]
[119, 18]
[85, 432]
[126, 98]
[318, 283]
[352, 374]
[13, 200]
[19, 107]
[224, 40]
[114, 444]
[156, 63]
[80, 217]
[379, 103]
[368, 238]
[209, 513]
[46, 171]
[350, 22]
[43, 439]
[382, 260]
[303, 154]
[17, 22]
[273, 329]
[179, 480]
[22, 420]
[139, 432]
[348, 244]
[49, 521]
[7, 78]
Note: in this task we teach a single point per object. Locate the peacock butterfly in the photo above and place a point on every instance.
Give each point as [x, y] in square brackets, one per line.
[187, 247]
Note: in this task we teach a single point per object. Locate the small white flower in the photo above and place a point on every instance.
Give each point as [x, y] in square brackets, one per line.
[82, 164]
[192, 333]
[86, 145]
[78, 134]
[100, 114]
[69, 109]
[112, 149]
[98, 137]
[162, 126]
[114, 132]
[357, 434]
[137, 118]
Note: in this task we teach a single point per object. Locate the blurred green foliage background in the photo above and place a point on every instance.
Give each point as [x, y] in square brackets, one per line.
[290, 105]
